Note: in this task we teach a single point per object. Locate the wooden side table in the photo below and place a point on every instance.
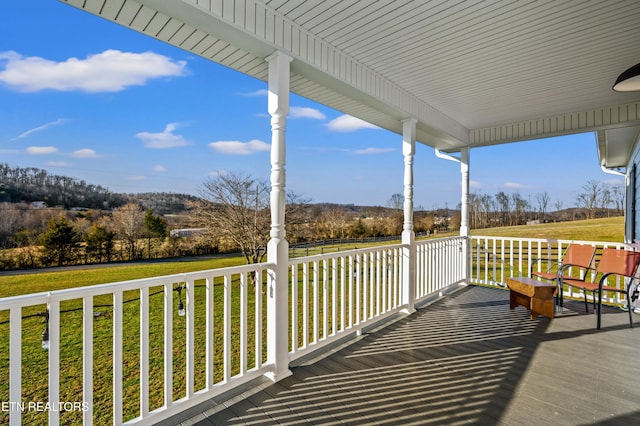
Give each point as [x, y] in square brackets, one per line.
[536, 296]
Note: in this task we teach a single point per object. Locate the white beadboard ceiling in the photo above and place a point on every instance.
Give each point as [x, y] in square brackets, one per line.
[471, 72]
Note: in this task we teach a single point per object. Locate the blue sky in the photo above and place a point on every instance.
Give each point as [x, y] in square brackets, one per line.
[86, 98]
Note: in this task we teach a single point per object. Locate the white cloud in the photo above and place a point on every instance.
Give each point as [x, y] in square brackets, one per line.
[159, 168]
[41, 150]
[475, 184]
[348, 123]
[514, 185]
[85, 153]
[368, 151]
[39, 129]
[305, 112]
[109, 71]
[240, 148]
[136, 178]
[261, 92]
[164, 139]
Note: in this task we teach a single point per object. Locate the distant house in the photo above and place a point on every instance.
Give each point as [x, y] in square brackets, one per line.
[39, 205]
[187, 232]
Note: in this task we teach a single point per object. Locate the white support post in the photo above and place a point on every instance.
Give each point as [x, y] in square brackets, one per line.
[464, 201]
[464, 204]
[408, 234]
[117, 356]
[15, 363]
[464, 211]
[278, 247]
[53, 307]
[87, 360]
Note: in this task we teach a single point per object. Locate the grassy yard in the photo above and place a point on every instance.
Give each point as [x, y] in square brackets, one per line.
[52, 279]
[606, 230]
[35, 359]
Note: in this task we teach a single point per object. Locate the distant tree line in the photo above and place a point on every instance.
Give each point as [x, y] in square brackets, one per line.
[235, 209]
[237, 219]
[232, 214]
[30, 184]
[595, 199]
[162, 203]
[36, 237]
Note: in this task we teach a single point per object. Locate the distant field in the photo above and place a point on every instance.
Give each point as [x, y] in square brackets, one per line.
[609, 230]
[51, 279]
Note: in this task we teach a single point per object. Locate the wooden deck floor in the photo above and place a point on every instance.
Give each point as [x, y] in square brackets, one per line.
[465, 359]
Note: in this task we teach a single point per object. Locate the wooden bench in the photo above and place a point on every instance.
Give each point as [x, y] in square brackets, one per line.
[536, 296]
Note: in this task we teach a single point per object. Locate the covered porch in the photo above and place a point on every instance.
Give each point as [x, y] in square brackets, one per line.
[463, 359]
[197, 346]
[453, 76]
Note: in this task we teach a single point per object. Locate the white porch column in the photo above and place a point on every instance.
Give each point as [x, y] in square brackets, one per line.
[464, 210]
[408, 234]
[464, 201]
[278, 247]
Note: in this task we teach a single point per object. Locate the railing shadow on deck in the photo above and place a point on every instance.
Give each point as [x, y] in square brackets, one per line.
[459, 361]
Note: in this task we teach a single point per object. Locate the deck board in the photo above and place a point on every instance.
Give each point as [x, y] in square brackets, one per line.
[465, 359]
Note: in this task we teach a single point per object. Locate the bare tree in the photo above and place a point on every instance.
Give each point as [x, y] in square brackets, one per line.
[396, 202]
[128, 221]
[480, 207]
[332, 223]
[543, 201]
[605, 198]
[520, 207]
[589, 198]
[9, 221]
[504, 205]
[235, 210]
[298, 214]
[617, 197]
[396, 219]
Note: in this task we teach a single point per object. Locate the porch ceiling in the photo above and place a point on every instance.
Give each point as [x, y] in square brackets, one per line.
[472, 73]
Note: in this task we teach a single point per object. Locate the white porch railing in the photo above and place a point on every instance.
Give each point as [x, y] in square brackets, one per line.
[124, 353]
[440, 264]
[121, 352]
[195, 335]
[340, 293]
[494, 259]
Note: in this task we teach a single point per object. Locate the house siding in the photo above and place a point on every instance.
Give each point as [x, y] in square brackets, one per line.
[632, 213]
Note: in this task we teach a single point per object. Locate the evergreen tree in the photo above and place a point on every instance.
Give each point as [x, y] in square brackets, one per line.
[156, 225]
[100, 243]
[156, 228]
[60, 242]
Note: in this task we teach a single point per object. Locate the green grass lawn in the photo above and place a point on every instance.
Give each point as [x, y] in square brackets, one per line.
[606, 230]
[35, 359]
[51, 279]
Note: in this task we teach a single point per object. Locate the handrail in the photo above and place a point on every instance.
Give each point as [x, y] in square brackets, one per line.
[494, 259]
[219, 343]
